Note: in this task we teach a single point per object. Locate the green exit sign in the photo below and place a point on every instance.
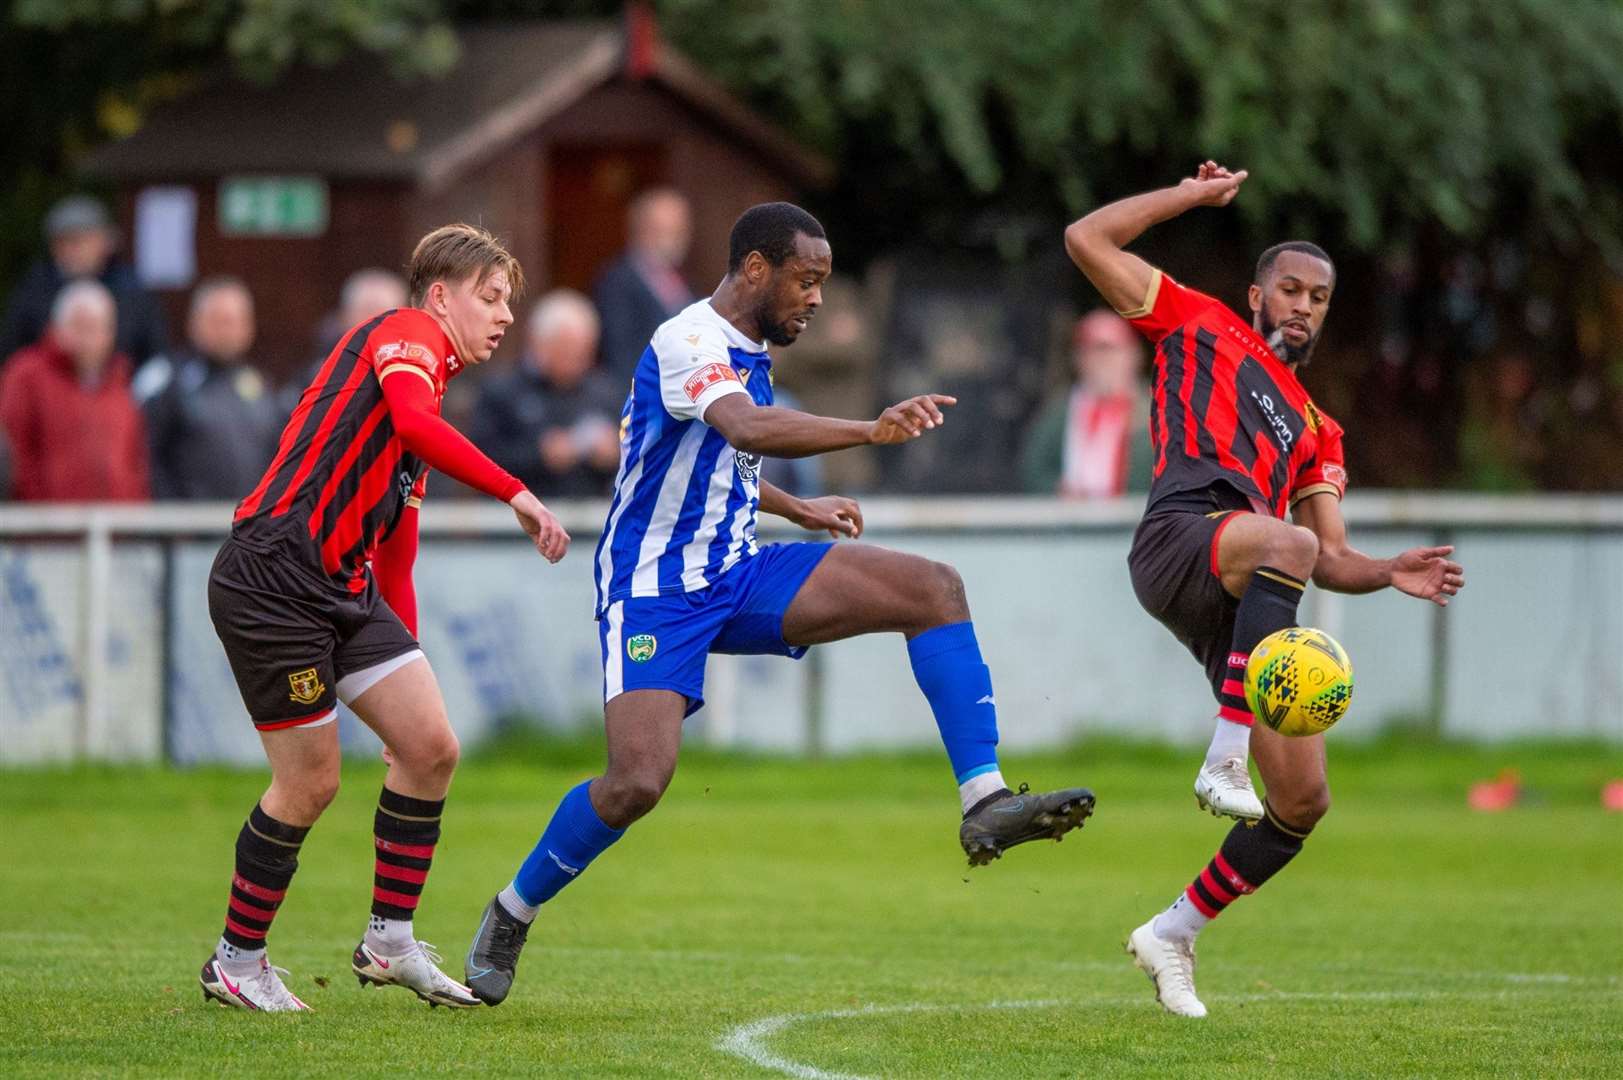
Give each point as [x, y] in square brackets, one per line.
[273, 206]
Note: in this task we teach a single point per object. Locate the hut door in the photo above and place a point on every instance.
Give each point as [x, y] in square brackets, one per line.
[589, 186]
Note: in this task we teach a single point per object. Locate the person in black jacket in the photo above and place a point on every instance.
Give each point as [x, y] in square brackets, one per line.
[553, 421]
[82, 242]
[643, 287]
[211, 420]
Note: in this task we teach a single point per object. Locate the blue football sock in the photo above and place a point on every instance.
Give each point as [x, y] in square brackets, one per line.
[574, 837]
[948, 666]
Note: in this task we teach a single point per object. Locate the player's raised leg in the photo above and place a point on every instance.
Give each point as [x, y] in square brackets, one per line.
[304, 763]
[644, 729]
[1294, 771]
[1265, 562]
[863, 590]
[400, 700]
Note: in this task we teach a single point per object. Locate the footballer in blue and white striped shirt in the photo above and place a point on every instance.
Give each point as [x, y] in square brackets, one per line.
[680, 575]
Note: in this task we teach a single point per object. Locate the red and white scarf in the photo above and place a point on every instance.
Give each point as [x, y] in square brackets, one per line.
[1097, 430]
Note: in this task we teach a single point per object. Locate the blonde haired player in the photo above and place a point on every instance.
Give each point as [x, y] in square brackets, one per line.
[312, 598]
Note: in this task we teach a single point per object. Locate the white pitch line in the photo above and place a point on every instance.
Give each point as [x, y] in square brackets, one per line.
[748, 1041]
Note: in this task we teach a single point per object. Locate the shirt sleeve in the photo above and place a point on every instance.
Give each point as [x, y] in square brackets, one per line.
[392, 564]
[694, 373]
[418, 425]
[1326, 472]
[1167, 305]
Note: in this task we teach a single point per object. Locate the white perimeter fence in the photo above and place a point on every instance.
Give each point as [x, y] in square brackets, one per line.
[107, 652]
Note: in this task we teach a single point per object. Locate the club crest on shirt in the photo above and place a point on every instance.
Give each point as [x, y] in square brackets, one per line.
[1314, 420]
[305, 686]
[641, 648]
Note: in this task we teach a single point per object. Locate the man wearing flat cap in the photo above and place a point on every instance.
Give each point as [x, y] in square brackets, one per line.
[82, 242]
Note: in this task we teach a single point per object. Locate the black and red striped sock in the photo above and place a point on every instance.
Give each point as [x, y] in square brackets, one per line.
[267, 856]
[1250, 855]
[405, 832]
[1269, 605]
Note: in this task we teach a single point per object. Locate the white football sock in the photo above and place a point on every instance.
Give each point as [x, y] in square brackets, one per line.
[1180, 922]
[1230, 740]
[515, 905]
[238, 963]
[391, 937]
[976, 788]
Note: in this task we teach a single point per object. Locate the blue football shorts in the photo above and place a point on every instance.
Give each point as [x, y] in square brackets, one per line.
[661, 642]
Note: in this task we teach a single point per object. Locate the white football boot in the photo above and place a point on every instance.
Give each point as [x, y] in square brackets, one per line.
[263, 991]
[1225, 789]
[1170, 966]
[417, 971]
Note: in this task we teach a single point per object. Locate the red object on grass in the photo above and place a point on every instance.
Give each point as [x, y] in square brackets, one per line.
[1611, 796]
[1493, 796]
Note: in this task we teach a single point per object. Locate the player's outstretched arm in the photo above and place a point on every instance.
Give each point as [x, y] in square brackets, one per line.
[1426, 573]
[421, 429]
[1096, 243]
[842, 517]
[788, 433]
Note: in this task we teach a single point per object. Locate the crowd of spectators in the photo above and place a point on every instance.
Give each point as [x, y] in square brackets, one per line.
[96, 404]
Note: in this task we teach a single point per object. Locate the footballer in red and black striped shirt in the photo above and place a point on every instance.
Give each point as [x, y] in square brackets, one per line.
[1238, 445]
[313, 600]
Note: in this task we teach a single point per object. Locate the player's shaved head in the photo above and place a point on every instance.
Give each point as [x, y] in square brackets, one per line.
[771, 229]
[1266, 261]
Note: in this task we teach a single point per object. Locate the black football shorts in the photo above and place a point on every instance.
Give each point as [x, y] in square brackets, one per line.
[1173, 564]
[298, 643]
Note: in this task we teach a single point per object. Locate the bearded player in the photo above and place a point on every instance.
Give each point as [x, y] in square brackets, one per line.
[680, 575]
[1238, 443]
[312, 598]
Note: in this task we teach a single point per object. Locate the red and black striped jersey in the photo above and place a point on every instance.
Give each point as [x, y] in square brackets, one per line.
[341, 477]
[1226, 409]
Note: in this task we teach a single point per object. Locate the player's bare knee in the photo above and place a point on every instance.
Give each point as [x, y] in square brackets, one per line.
[444, 752]
[1305, 808]
[627, 795]
[946, 601]
[304, 796]
[431, 756]
[1294, 550]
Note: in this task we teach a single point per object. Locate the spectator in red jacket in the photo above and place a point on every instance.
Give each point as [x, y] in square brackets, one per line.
[75, 433]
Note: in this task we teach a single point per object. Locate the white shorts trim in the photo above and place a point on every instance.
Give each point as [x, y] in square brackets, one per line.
[613, 681]
[321, 721]
[356, 683]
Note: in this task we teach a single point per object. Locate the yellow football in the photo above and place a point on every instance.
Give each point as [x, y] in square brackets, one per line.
[1299, 681]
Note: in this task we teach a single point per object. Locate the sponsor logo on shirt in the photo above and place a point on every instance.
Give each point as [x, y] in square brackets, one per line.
[1282, 430]
[1336, 475]
[706, 377]
[410, 351]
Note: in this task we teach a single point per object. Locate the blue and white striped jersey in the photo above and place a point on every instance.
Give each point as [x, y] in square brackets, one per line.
[685, 502]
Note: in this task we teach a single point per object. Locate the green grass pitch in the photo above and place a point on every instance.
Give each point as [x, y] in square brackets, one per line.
[816, 919]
